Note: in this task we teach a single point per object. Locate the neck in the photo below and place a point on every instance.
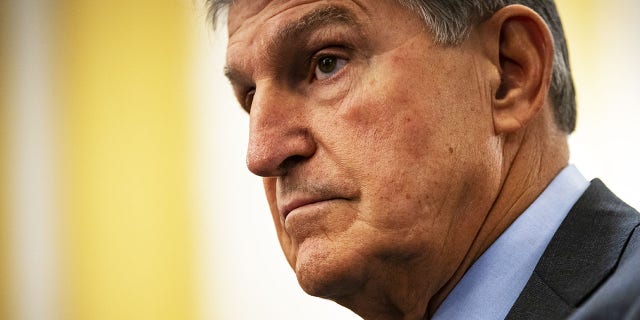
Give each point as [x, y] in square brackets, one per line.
[533, 158]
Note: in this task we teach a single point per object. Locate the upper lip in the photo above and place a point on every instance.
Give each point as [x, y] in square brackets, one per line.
[296, 203]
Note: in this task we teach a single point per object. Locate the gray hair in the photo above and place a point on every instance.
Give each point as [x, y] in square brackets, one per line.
[450, 22]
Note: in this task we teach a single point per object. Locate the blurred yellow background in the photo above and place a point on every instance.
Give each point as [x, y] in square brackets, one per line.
[120, 80]
[123, 192]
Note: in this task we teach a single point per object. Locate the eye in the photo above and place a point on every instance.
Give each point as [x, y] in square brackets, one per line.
[327, 66]
[248, 99]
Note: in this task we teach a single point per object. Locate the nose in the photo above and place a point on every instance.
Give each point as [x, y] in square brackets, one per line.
[279, 135]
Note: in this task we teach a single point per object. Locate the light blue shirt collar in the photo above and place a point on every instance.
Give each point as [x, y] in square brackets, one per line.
[493, 283]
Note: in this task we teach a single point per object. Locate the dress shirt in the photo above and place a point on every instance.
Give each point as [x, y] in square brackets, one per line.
[493, 283]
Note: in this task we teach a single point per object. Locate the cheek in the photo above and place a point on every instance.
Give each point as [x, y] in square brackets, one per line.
[412, 138]
[384, 122]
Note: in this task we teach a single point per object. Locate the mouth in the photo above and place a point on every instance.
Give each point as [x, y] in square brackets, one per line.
[301, 203]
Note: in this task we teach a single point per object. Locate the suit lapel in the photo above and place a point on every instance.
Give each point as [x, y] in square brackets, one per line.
[582, 253]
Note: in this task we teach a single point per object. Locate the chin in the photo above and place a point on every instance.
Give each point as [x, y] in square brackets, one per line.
[328, 272]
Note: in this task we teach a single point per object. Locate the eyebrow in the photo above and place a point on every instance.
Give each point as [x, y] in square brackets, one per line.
[313, 20]
[320, 17]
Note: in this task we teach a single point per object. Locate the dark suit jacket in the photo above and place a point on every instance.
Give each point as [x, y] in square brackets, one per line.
[591, 268]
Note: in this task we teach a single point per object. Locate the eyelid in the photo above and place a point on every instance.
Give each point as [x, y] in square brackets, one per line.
[248, 99]
[339, 52]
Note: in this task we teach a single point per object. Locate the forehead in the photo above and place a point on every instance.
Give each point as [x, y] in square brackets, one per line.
[247, 18]
[244, 13]
[243, 10]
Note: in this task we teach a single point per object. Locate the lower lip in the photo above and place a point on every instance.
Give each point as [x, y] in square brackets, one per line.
[309, 208]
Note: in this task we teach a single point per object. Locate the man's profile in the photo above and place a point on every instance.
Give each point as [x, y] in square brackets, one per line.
[415, 159]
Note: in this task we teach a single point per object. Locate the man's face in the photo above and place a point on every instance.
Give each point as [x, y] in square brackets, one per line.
[377, 146]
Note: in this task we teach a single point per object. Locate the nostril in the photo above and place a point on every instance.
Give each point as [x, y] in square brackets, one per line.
[291, 162]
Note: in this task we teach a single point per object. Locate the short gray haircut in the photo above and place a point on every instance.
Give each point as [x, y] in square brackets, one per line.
[450, 22]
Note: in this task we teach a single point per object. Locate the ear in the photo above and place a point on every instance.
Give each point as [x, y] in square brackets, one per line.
[524, 58]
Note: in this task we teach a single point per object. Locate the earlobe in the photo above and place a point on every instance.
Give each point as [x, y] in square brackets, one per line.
[525, 57]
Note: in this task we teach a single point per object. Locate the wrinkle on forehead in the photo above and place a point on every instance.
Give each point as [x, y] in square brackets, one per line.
[323, 15]
[242, 12]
